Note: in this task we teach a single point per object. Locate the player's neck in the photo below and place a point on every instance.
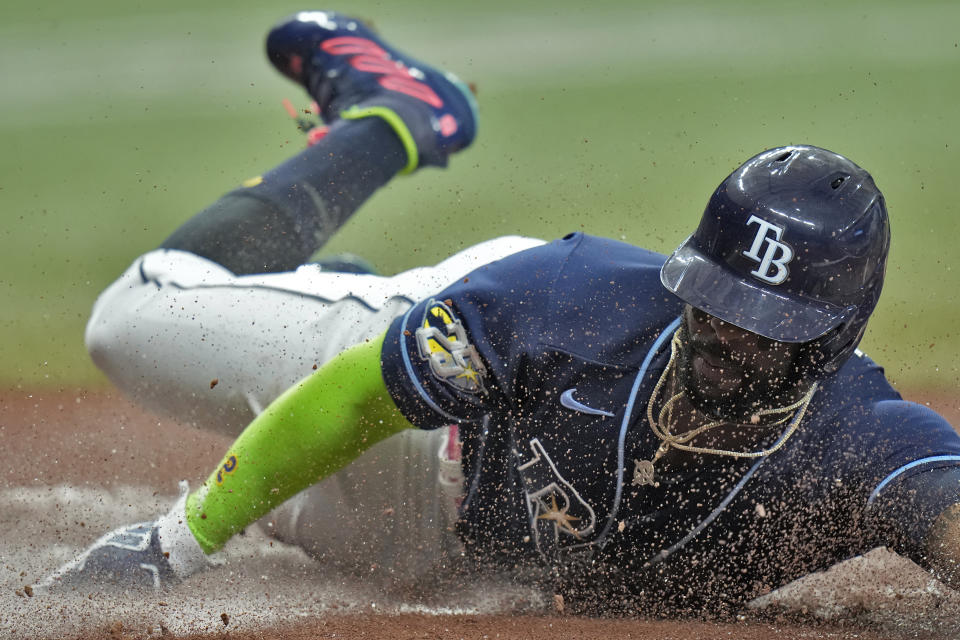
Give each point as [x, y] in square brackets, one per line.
[684, 428]
[727, 435]
[731, 435]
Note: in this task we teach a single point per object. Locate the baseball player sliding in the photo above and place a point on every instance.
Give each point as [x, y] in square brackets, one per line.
[686, 431]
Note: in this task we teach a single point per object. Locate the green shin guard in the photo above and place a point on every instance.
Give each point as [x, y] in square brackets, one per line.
[315, 428]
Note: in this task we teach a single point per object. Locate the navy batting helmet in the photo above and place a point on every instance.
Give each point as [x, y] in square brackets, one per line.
[792, 246]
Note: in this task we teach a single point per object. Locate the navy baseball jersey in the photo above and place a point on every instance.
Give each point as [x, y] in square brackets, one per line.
[547, 360]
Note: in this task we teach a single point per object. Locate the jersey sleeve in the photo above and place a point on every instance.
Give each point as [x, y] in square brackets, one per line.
[920, 476]
[454, 357]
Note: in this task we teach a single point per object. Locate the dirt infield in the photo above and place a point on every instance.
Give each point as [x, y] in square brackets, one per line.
[79, 463]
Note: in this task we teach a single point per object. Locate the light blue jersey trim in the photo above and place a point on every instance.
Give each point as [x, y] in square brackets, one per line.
[660, 557]
[907, 467]
[661, 339]
[412, 375]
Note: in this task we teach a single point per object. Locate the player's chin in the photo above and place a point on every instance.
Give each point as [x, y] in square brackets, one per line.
[736, 398]
[716, 378]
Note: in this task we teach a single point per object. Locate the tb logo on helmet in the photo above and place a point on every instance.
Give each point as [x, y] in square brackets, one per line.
[776, 256]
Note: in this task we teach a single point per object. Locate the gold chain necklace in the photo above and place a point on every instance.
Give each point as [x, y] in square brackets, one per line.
[643, 469]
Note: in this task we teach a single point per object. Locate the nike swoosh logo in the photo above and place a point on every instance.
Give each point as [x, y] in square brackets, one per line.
[567, 400]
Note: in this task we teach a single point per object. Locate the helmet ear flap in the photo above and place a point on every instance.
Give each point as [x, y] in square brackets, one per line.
[826, 354]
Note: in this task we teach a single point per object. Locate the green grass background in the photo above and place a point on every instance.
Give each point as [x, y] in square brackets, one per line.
[118, 120]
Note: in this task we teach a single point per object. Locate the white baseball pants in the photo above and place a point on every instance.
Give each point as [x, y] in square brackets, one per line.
[191, 340]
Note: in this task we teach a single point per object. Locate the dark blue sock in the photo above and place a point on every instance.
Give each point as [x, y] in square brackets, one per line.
[279, 223]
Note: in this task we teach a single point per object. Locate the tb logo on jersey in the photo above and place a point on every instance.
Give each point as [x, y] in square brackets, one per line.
[776, 254]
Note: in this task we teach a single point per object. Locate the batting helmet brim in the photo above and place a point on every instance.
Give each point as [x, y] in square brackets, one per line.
[706, 285]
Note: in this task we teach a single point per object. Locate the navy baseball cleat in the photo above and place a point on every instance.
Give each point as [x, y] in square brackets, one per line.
[352, 74]
[128, 558]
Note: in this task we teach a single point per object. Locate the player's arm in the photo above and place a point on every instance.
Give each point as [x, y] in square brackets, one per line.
[315, 428]
[943, 546]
